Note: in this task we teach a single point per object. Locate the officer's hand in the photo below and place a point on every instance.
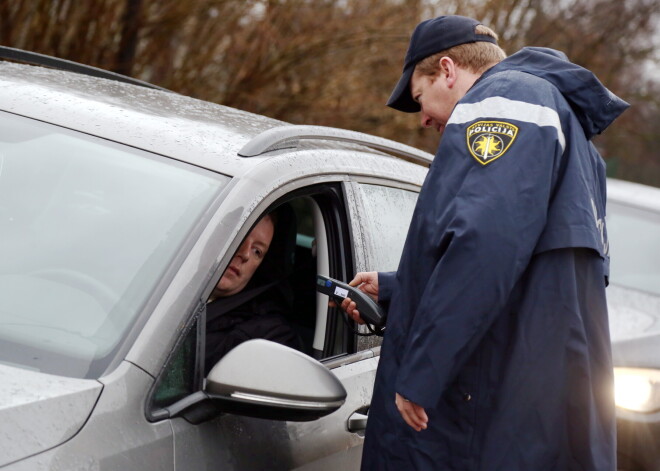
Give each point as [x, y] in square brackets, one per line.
[366, 282]
[348, 306]
[412, 413]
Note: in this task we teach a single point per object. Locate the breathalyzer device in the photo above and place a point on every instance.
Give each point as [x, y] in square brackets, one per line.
[370, 311]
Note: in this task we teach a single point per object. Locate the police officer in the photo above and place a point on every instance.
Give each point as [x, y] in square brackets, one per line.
[497, 350]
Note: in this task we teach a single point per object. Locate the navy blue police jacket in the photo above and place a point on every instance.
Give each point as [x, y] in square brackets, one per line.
[497, 321]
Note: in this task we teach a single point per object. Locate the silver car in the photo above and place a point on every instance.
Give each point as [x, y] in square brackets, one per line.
[633, 220]
[120, 207]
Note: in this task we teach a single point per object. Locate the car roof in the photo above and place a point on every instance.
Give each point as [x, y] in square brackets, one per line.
[198, 132]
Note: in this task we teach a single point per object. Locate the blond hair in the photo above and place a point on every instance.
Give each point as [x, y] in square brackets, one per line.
[476, 57]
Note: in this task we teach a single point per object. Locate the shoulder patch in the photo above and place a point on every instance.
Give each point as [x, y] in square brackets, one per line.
[489, 140]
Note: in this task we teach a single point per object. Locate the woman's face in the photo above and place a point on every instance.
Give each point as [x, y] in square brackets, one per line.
[247, 259]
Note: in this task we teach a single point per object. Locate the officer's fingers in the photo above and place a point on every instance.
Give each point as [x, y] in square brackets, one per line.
[420, 414]
[367, 282]
[355, 315]
[346, 305]
[414, 417]
[410, 422]
[359, 279]
[413, 414]
[409, 416]
[367, 277]
[350, 308]
[370, 291]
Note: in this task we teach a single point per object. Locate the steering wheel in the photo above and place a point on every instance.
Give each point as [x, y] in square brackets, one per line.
[103, 294]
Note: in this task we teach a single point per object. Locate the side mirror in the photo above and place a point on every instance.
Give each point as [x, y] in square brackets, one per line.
[267, 380]
[270, 381]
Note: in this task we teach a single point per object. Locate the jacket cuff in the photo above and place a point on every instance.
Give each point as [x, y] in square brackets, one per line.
[386, 281]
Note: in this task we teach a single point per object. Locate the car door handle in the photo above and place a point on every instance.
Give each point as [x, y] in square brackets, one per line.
[357, 422]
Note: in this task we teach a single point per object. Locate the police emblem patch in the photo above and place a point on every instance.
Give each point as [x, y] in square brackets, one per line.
[489, 140]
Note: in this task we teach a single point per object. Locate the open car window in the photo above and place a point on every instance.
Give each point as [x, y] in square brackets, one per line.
[320, 245]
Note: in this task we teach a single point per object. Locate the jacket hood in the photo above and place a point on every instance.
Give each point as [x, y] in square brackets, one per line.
[594, 105]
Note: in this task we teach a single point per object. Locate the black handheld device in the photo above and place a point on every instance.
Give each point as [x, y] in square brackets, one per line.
[370, 311]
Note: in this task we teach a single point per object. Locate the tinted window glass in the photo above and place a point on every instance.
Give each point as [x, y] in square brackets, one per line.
[178, 380]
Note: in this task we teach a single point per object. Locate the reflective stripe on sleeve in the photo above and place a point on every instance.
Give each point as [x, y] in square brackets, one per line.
[503, 108]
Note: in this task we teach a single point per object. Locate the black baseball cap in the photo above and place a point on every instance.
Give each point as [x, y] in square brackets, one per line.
[429, 37]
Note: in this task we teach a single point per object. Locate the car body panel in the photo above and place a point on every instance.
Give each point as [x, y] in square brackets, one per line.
[116, 435]
[234, 440]
[25, 395]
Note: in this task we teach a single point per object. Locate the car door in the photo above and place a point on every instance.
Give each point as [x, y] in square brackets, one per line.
[328, 244]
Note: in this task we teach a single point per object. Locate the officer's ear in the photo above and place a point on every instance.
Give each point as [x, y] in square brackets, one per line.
[448, 70]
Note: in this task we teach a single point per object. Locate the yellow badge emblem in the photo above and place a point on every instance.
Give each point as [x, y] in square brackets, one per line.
[489, 140]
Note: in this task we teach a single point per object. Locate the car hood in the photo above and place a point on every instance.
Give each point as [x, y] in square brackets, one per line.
[39, 411]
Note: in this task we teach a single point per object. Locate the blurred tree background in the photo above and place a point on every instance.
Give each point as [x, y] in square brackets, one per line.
[334, 62]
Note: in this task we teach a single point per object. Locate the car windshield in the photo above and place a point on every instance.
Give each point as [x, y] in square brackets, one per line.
[89, 228]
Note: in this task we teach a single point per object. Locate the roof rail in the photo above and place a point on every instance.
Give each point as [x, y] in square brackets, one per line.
[63, 64]
[283, 137]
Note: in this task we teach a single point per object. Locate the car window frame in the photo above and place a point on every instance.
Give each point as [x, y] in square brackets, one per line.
[334, 202]
[358, 213]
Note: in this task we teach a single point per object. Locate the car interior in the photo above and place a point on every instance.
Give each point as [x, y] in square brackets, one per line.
[322, 246]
